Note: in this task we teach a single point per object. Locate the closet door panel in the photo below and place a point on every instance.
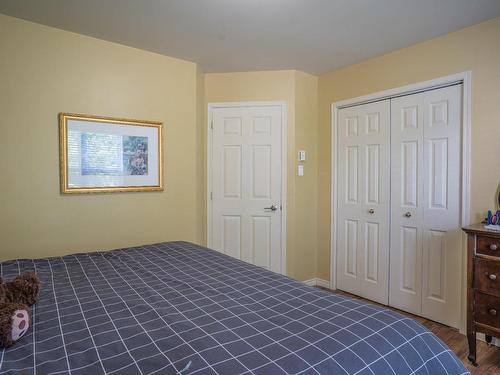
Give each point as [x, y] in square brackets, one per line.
[363, 200]
[349, 177]
[425, 204]
[406, 203]
[441, 223]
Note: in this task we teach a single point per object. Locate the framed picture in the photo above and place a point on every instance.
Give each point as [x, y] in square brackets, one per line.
[103, 154]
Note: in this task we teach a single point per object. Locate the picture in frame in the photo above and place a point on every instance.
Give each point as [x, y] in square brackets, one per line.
[104, 154]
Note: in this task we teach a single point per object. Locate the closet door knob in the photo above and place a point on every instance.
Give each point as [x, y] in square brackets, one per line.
[371, 211]
[492, 277]
[492, 312]
[408, 214]
[493, 246]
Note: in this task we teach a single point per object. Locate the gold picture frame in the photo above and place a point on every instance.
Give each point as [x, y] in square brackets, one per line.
[108, 155]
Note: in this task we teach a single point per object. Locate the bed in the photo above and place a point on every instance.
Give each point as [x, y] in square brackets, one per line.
[178, 308]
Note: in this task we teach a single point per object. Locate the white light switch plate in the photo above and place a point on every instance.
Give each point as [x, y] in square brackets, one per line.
[300, 170]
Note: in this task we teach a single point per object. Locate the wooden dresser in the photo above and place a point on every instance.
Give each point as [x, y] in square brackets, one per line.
[483, 285]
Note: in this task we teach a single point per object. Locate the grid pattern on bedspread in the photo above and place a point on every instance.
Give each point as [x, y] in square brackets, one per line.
[179, 308]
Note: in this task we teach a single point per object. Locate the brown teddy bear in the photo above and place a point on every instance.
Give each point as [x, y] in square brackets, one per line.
[15, 297]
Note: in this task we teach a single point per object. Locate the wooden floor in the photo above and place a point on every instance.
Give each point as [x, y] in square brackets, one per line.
[488, 357]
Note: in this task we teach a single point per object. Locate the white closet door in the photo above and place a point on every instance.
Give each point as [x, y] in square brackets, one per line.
[407, 131]
[363, 200]
[441, 223]
[425, 230]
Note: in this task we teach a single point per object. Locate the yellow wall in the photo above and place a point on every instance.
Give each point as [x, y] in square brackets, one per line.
[476, 48]
[201, 155]
[44, 71]
[304, 246]
[299, 90]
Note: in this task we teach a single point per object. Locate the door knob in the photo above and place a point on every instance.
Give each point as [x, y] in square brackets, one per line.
[272, 208]
[408, 214]
[493, 246]
[492, 277]
[492, 312]
[371, 211]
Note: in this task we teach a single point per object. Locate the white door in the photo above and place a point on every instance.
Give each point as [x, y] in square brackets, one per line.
[406, 205]
[425, 232]
[246, 179]
[363, 200]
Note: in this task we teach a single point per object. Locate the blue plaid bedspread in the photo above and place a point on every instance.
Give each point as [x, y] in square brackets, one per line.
[178, 308]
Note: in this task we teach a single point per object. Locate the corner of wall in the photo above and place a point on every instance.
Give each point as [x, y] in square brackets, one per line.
[306, 191]
[201, 170]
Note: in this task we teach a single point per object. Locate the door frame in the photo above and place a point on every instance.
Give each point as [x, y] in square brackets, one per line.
[465, 79]
[284, 165]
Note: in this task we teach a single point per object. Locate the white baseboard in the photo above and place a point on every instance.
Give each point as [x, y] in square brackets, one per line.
[495, 341]
[323, 283]
[310, 282]
[317, 282]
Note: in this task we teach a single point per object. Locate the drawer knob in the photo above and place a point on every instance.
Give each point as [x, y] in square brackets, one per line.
[492, 312]
[492, 277]
[493, 247]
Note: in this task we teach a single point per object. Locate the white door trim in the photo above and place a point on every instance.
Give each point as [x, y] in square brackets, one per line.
[465, 79]
[284, 165]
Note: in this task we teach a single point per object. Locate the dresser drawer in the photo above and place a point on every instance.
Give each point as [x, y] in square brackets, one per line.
[488, 246]
[487, 276]
[487, 310]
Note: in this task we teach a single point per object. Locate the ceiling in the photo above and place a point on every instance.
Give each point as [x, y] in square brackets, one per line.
[314, 36]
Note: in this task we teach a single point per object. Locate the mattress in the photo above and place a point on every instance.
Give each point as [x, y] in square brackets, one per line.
[178, 308]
